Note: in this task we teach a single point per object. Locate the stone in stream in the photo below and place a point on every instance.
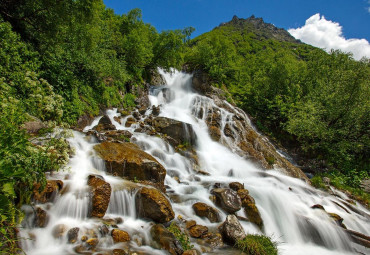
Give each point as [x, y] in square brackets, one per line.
[231, 230]
[166, 240]
[250, 207]
[227, 199]
[204, 210]
[236, 186]
[105, 124]
[48, 193]
[127, 160]
[198, 231]
[120, 236]
[72, 235]
[101, 192]
[152, 204]
[41, 218]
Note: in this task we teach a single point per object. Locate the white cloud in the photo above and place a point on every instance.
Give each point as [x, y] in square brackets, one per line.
[328, 35]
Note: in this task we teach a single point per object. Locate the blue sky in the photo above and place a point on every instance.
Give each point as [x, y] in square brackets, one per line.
[204, 15]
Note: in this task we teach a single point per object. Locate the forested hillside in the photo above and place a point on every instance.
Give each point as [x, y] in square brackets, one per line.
[60, 60]
[314, 103]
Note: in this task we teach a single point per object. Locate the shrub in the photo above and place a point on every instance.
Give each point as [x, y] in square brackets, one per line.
[182, 237]
[257, 245]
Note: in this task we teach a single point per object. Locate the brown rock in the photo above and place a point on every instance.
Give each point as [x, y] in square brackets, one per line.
[105, 124]
[101, 191]
[191, 252]
[190, 224]
[119, 252]
[236, 186]
[72, 235]
[59, 230]
[49, 192]
[214, 240]
[227, 199]
[198, 231]
[120, 236]
[252, 211]
[130, 121]
[204, 210]
[243, 194]
[317, 206]
[42, 218]
[92, 243]
[166, 240]
[231, 230]
[152, 204]
[127, 160]
[34, 126]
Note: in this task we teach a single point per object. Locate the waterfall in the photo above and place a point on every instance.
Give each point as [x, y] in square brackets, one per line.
[284, 202]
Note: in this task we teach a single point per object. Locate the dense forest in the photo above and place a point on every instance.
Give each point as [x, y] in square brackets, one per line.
[60, 60]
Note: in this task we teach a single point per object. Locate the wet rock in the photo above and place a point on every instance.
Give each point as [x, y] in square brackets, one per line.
[130, 121]
[191, 252]
[136, 115]
[326, 180]
[103, 230]
[92, 243]
[251, 209]
[119, 252]
[156, 79]
[119, 135]
[243, 193]
[101, 191]
[201, 82]
[152, 204]
[72, 235]
[41, 218]
[166, 240]
[317, 206]
[204, 210]
[117, 119]
[227, 199]
[236, 186]
[337, 219]
[215, 133]
[83, 121]
[120, 236]
[104, 124]
[33, 126]
[49, 192]
[198, 231]
[190, 224]
[59, 230]
[214, 240]
[155, 110]
[129, 161]
[231, 230]
[181, 132]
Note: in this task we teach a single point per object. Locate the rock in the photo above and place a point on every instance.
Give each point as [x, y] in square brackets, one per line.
[201, 82]
[49, 192]
[243, 193]
[181, 132]
[215, 133]
[83, 121]
[119, 135]
[101, 191]
[251, 209]
[92, 243]
[103, 230]
[365, 184]
[119, 252]
[214, 240]
[198, 231]
[105, 124]
[72, 235]
[41, 218]
[34, 126]
[191, 252]
[227, 199]
[166, 240]
[156, 110]
[152, 204]
[231, 230]
[337, 219]
[127, 160]
[326, 180]
[59, 230]
[236, 186]
[204, 210]
[317, 206]
[130, 121]
[190, 224]
[120, 236]
[156, 79]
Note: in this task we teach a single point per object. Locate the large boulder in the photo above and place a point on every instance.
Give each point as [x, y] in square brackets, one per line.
[166, 240]
[227, 199]
[201, 82]
[152, 204]
[231, 230]
[181, 132]
[204, 210]
[129, 161]
[101, 191]
[105, 124]
[48, 193]
[250, 207]
[120, 236]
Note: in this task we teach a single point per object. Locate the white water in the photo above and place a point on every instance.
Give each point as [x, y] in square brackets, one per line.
[284, 202]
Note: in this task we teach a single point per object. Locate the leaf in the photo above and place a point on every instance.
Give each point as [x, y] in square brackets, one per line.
[9, 189]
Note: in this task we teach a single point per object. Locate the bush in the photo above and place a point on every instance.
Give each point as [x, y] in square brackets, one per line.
[257, 245]
[182, 237]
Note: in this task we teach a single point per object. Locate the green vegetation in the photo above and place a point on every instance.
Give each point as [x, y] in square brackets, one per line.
[314, 103]
[257, 245]
[58, 61]
[182, 237]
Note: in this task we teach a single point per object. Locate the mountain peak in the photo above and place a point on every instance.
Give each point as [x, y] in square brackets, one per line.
[262, 29]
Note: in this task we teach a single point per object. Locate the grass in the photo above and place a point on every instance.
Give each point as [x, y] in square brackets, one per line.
[257, 245]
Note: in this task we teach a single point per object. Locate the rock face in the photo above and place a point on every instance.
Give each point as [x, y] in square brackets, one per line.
[181, 132]
[120, 236]
[227, 199]
[127, 160]
[152, 204]
[105, 124]
[250, 207]
[231, 230]
[166, 240]
[49, 192]
[101, 191]
[204, 210]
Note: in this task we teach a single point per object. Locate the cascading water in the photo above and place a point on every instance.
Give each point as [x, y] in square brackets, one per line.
[284, 202]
